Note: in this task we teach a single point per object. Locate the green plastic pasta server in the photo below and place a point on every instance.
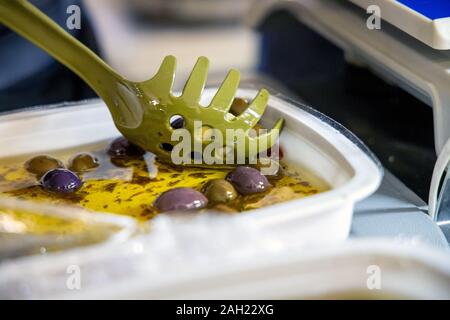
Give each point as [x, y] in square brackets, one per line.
[142, 111]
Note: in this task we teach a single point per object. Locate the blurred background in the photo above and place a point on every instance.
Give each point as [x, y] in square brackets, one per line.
[134, 35]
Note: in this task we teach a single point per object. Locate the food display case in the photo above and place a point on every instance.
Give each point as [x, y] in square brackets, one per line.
[363, 184]
[386, 84]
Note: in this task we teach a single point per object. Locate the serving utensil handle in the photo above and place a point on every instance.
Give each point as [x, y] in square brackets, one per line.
[31, 23]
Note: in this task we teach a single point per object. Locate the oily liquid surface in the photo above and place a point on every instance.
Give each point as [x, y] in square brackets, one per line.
[129, 187]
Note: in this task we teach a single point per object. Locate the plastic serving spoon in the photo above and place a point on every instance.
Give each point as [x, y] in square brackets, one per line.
[142, 111]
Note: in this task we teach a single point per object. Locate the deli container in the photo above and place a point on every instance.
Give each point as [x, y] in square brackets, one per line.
[81, 228]
[361, 269]
[310, 140]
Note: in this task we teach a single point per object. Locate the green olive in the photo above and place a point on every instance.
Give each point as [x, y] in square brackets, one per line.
[271, 168]
[238, 106]
[220, 191]
[83, 162]
[40, 165]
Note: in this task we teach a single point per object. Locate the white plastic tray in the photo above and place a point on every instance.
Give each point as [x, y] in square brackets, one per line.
[344, 271]
[253, 269]
[310, 140]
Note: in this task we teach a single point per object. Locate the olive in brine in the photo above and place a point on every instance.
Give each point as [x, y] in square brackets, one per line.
[238, 106]
[121, 148]
[248, 180]
[220, 191]
[180, 199]
[42, 164]
[61, 181]
[83, 162]
[270, 168]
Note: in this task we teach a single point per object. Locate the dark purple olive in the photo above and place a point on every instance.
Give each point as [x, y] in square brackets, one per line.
[180, 199]
[248, 180]
[61, 181]
[122, 148]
